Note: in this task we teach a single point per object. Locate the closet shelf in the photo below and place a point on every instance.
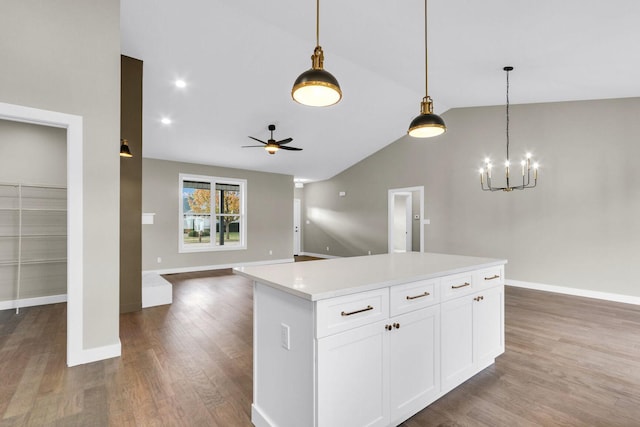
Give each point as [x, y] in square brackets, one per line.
[34, 261]
[32, 224]
[30, 236]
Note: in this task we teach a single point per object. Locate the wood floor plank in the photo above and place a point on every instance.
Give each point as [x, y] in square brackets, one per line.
[569, 361]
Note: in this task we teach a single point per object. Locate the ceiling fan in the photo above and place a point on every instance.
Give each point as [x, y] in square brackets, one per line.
[272, 145]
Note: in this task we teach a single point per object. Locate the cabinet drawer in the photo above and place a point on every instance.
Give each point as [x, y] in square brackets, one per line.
[457, 285]
[342, 313]
[491, 276]
[412, 296]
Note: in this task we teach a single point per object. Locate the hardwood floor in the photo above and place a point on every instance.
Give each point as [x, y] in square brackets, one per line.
[569, 361]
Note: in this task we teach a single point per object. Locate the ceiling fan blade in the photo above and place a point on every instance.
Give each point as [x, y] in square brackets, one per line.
[284, 141]
[291, 148]
[256, 139]
[251, 146]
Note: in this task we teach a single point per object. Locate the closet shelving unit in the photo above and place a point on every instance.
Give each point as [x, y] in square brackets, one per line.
[33, 240]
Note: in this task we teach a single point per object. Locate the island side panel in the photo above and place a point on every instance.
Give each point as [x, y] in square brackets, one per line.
[283, 379]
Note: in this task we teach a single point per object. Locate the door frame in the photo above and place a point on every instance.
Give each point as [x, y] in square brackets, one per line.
[390, 214]
[73, 124]
[297, 219]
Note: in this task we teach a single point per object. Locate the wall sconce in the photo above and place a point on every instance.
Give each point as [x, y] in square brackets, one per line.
[124, 148]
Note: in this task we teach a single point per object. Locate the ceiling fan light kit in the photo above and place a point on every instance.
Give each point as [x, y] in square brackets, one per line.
[316, 87]
[526, 164]
[427, 124]
[271, 146]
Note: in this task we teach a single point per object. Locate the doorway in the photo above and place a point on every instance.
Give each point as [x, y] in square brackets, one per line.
[296, 227]
[73, 124]
[405, 220]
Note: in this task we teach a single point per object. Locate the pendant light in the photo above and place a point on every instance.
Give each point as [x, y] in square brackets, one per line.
[427, 124]
[124, 148]
[316, 87]
[525, 164]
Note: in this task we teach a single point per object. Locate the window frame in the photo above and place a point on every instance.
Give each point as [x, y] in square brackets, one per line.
[211, 246]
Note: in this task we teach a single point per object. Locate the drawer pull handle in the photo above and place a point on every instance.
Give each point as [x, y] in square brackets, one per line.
[495, 276]
[460, 286]
[425, 294]
[345, 313]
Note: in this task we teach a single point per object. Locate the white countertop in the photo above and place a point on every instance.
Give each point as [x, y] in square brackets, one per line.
[315, 280]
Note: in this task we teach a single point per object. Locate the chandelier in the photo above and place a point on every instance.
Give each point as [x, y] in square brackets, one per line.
[526, 164]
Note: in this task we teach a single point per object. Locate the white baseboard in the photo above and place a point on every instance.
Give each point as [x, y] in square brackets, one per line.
[217, 266]
[95, 354]
[32, 302]
[627, 299]
[318, 255]
[258, 418]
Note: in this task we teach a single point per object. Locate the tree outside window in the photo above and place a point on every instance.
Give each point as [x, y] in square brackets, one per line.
[226, 221]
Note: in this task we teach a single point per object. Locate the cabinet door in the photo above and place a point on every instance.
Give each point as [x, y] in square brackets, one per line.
[414, 362]
[488, 311]
[353, 377]
[457, 363]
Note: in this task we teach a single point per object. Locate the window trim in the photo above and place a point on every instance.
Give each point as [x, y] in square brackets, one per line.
[211, 246]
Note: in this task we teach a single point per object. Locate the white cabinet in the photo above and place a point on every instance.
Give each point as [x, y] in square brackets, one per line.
[457, 341]
[414, 362]
[472, 334]
[375, 357]
[382, 372]
[353, 377]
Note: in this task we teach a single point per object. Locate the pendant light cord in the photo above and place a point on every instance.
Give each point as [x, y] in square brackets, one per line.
[508, 115]
[317, 22]
[426, 83]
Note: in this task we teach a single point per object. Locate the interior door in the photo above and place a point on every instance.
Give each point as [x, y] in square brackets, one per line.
[296, 226]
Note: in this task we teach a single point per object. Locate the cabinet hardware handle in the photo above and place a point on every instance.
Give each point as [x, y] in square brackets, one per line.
[495, 276]
[388, 327]
[396, 325]
[478, 298]
[460, 286]
[425, 294]
[344, 313]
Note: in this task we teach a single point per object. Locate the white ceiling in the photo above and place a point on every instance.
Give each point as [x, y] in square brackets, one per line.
[240, 58]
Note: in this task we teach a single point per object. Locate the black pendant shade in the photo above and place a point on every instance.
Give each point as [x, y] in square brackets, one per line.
[427, 124]
[316, 87]
[124, 148]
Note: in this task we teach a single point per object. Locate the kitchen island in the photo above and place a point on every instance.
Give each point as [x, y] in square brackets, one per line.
[370, 341]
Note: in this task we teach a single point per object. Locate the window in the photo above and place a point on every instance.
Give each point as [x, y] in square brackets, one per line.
[204, 227]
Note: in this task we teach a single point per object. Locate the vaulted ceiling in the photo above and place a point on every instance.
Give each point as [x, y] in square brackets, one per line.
[240, 58]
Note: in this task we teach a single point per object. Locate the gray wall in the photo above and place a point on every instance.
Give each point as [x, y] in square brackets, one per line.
[269, 216]
[32, 154]
[579, 228]
[65, 56]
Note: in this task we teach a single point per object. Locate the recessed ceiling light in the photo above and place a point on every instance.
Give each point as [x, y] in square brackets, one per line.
[166, 121]
[181, 83]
